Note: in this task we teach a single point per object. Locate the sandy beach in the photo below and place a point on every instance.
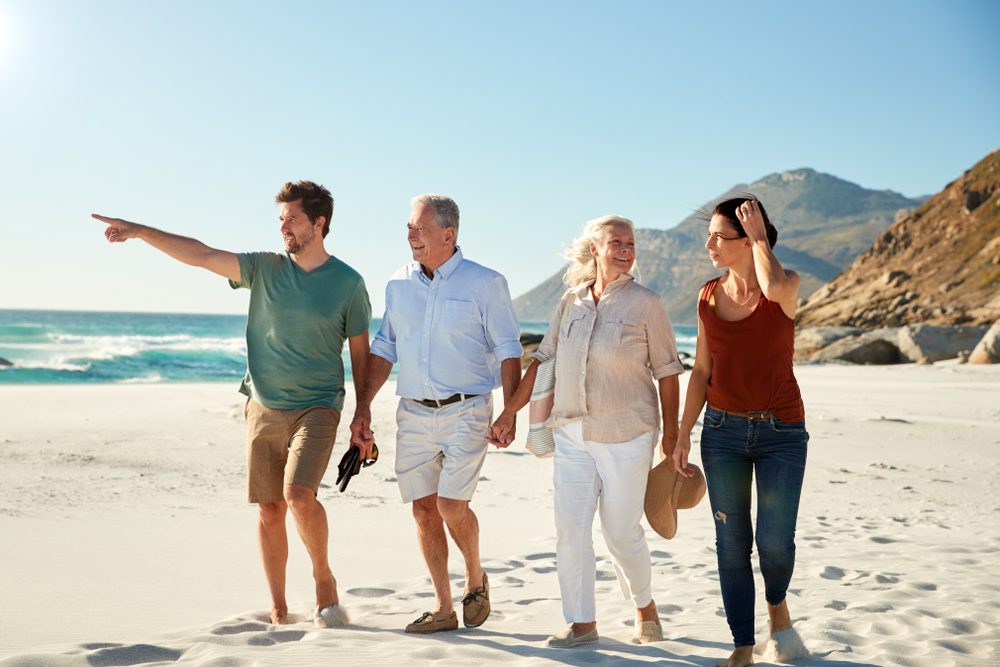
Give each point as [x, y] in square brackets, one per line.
[125, 538]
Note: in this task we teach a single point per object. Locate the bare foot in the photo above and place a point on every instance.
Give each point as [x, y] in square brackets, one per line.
[780, 618]
[279, 615]
[785, 644]
[742, 656]
[583, 628]
[326, 590]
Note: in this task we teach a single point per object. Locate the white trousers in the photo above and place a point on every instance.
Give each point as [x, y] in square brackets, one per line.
[591, 476]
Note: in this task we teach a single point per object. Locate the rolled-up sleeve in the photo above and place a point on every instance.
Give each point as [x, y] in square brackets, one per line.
[384, 343]
[663, 359]
[503, 331]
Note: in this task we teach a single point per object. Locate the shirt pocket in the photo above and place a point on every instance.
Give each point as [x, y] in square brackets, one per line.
[573, 323]
[456, 311]
[628, 332]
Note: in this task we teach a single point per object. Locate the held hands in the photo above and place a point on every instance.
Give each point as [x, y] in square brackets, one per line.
[362, 435]
[118, 231]
[680, 455]
[750, 217]
[503, 429]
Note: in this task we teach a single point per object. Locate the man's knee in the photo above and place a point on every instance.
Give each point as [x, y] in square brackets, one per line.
[299, 498]
[452, 510]
[272, 513]
[426, 509]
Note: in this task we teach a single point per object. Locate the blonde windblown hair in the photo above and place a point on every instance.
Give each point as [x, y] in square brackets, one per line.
[582, 265]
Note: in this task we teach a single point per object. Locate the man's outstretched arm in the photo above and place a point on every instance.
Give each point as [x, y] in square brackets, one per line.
[184, 249]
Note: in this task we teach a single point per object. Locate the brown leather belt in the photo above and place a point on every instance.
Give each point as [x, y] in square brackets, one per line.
[440, 403]
[756, 414]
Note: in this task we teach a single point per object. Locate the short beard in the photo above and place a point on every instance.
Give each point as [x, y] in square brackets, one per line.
[295, 246]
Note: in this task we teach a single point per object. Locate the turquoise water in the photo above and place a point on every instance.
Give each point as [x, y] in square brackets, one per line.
[51, 346]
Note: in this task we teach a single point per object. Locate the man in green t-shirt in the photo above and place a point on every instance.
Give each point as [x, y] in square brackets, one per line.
[304, 303]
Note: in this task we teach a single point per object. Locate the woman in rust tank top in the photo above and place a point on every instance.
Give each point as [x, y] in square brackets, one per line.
[754, 422]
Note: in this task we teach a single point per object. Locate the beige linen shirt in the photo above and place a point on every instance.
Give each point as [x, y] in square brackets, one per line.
[607, 355]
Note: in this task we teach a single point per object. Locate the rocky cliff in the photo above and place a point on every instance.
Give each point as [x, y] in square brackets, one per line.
[939, 264]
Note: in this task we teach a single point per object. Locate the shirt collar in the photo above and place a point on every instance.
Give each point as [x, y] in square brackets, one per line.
[583, 290]
[448, 268]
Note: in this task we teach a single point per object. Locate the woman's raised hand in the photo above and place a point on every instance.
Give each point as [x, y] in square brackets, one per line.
[750, 217]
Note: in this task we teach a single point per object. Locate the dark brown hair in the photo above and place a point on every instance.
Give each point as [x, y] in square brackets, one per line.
[316, 201]
[727, 209]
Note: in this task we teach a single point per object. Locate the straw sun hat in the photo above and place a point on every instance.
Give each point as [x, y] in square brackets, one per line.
[668, 491]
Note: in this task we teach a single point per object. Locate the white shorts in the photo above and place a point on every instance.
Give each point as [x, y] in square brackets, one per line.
[441, 450]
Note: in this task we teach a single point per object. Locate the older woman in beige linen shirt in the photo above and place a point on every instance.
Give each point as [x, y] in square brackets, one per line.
[611, 339]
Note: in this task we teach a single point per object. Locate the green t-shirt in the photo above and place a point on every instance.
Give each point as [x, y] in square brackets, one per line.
[296, 329]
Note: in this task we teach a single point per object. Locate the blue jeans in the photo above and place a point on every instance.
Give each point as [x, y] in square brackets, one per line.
[732, 449]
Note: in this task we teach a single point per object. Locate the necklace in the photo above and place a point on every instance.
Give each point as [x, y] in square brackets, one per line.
[745, 302]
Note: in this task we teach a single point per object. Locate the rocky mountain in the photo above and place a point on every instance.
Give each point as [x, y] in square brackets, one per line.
[823, 223]
[938, 265]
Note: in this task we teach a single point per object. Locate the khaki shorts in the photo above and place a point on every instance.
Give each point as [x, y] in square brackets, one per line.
[441, 450]
[287, 447]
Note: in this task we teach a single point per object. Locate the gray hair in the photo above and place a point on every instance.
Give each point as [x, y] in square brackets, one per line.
[582, 265]
[445, 209]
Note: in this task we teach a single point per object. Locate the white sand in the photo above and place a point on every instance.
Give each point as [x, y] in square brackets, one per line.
[124, 538]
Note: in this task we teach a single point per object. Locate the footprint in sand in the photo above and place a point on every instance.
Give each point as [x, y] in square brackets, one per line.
[504, 567]
[132, 655]
[836, 605]
[831, 572]
[513, 582]
[961, 626]
[370, 592]
[957, 646]
[542, 556]
[886, 579]
[238, 628]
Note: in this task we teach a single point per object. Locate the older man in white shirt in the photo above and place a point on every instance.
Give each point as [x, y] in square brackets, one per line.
[450, 325]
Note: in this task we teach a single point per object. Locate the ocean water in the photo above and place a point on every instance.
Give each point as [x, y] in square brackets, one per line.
[50, 346]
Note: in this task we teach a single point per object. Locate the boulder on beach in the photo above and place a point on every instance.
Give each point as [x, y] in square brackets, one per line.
[924, 343]
[810, 340]
[987, 351]
[870, 347]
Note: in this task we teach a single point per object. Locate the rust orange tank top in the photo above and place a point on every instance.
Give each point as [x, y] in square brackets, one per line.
[752, 360]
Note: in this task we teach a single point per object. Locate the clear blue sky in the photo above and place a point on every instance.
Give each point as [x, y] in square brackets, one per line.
[534, 116]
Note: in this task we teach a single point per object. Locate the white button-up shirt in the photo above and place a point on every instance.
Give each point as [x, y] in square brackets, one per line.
[449, 334]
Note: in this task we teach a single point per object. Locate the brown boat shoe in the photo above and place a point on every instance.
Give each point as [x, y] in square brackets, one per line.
[476, 605]
[427, 624]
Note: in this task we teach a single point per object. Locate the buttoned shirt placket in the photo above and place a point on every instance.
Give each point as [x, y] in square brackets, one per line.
[432, 285]
[588, 323]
